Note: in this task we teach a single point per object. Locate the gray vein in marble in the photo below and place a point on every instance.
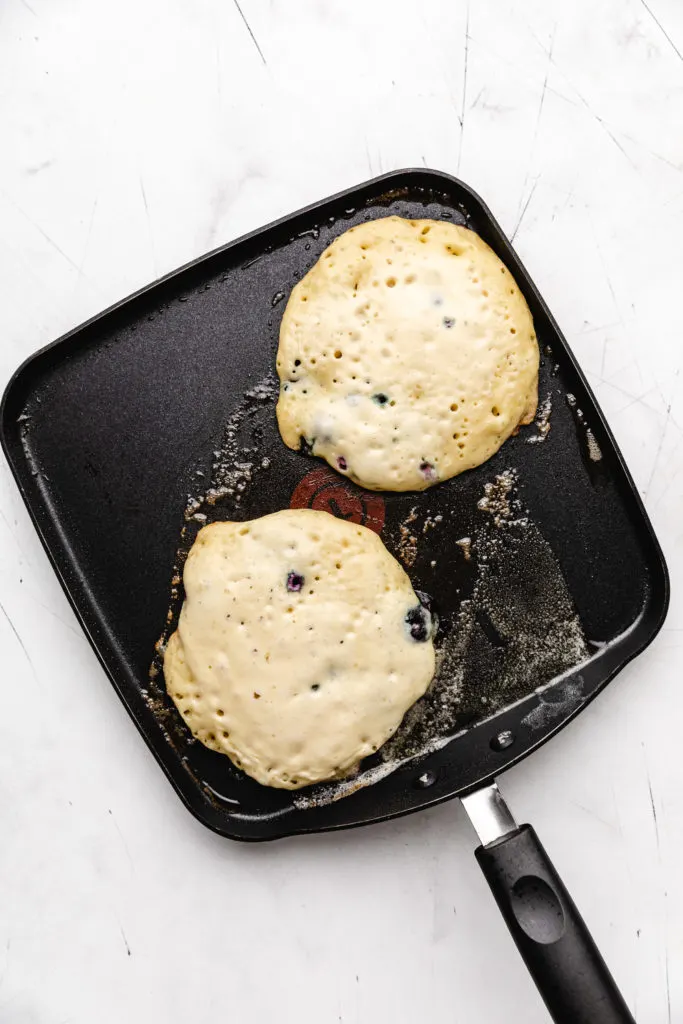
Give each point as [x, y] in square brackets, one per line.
[249, 30]
[524, 209]
[38, 228]
[663, 30]
[461, 118]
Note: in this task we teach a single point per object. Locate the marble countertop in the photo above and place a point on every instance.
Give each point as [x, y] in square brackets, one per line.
[134, 137]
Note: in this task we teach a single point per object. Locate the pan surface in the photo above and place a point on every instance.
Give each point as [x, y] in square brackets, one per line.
[132, 431]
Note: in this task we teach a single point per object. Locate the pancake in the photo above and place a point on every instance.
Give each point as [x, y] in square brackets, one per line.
[407, 355]
[300, 645]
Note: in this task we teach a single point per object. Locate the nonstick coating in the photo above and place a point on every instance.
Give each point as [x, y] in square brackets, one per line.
[117, 432]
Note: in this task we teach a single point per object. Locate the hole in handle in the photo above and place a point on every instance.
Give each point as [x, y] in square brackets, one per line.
[537, 909]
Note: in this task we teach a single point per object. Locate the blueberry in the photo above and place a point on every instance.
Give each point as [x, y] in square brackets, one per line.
[380, 399]
[425, 600]
[427, 603]
[449, 321]
[342, 463]
[297, 362]
[295, 582]
[306, 446]
[418, 621]
[427, 470]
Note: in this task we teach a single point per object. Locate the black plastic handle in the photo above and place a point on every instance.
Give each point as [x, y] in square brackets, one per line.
[562, 958]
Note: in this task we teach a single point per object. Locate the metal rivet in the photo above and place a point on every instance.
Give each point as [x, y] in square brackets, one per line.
[425, 780]
[503, 740]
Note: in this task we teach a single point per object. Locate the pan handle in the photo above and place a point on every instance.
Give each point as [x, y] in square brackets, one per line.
[549, 931]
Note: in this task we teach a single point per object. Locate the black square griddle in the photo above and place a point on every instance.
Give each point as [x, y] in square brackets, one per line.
[131, 431]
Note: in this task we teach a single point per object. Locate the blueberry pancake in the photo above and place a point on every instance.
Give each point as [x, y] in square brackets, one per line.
[407, 355]
[300, 646]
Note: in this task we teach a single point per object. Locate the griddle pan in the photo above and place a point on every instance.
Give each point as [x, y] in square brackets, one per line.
[129, 433]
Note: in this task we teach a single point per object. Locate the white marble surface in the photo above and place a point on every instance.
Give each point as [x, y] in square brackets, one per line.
[133, 137]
